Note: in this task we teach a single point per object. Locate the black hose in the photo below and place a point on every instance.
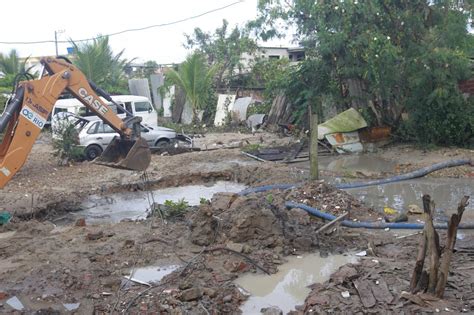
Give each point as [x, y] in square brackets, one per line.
[12, 107]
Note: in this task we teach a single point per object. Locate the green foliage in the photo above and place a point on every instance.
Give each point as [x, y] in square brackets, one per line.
[173, 209]
[195, 78]
[272, 74]
[269, 198]
[3, 101]
[100, 65]
[383, 58]
[10, 64]
[260, 108]
[12, 69]
[65, 146]
[253, 147]
[204, 201]
[148, 69]
[223, 48]
[439, 114]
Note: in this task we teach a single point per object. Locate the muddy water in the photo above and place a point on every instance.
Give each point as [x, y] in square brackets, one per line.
[288, 287]
[134, 205]
[366, 164]
[446, 192]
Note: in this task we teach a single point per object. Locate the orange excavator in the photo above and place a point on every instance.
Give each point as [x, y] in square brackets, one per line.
[31, 103]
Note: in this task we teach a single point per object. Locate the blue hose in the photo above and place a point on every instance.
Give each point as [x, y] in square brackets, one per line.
[370, 225]
[415, 174]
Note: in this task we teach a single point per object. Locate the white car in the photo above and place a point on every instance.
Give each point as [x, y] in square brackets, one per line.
[94, 135]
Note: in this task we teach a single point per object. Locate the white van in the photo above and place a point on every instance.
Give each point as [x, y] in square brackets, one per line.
[137, 105]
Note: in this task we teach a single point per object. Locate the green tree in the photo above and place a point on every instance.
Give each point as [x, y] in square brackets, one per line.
[194, 76]
[10, 67]
[98, 62]
[383, 58]
[149, 67]
[10, 64]
[224, 48]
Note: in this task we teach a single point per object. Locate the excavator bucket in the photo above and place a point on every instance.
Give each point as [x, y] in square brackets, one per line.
[132, 155]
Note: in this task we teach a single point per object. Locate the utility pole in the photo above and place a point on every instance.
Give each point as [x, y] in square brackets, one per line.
[56, 40]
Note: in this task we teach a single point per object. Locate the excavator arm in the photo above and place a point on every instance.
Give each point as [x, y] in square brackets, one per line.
[26, 113]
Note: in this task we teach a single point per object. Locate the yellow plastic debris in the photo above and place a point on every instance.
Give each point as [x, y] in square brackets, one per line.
[388, 210]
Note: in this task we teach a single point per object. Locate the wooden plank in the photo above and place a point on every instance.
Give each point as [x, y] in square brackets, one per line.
[363, 287]
[328, 225]
[253, 157]
[381, 292]
[293, 153]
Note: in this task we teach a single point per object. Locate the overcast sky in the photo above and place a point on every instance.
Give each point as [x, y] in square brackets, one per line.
[29, 20]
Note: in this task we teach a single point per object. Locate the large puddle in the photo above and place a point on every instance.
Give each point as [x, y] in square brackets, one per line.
[446, 192]
[366, 164]
[134, 205]
[288, 287]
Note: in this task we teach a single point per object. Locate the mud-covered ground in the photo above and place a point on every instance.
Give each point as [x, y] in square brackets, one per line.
[46, 266]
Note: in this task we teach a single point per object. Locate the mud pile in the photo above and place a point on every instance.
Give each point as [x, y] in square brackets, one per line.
[326, 198]
[261, 220]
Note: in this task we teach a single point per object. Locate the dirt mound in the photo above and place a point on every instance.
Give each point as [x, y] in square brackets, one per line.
[261, 220]
[327, 198]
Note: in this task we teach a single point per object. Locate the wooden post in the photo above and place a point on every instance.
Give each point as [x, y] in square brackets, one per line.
[420, 261]
[313, 147]
[434, 279]
[449, 248]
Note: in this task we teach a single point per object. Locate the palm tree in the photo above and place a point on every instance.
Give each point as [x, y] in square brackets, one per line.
[98, 62]
[195, 78]
[10, 64]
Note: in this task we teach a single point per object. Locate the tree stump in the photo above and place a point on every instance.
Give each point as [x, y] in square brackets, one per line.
[434, 279]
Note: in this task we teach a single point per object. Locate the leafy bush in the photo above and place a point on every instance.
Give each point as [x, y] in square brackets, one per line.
[438, 112]
[172, 209]
[65, 145]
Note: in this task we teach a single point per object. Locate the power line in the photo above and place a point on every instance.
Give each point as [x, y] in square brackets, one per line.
[128, 30]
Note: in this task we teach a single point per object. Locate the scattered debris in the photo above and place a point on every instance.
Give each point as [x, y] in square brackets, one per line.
[4, 217]
[15, 303]
[71, 306]
[255, 121]
[414, 209]
[273, 310]
[93, 236]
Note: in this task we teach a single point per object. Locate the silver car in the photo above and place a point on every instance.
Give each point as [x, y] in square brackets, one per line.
[95, 135]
